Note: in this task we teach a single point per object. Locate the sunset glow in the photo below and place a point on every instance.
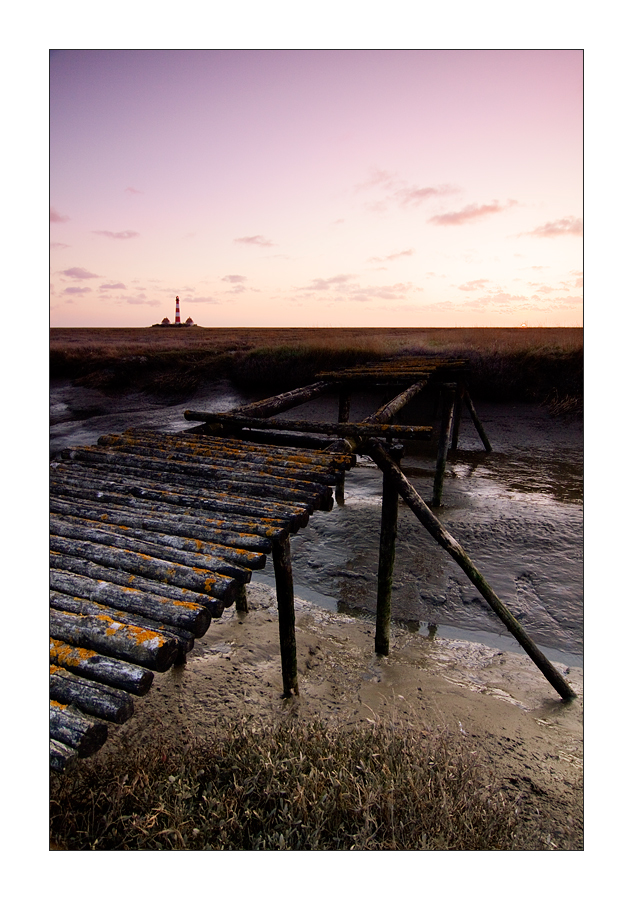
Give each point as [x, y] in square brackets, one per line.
[316, 188]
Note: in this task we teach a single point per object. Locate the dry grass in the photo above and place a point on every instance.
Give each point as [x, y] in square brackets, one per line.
[295, 786]
[505, 363]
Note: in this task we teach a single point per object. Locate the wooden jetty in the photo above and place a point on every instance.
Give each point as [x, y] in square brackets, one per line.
[153, 535]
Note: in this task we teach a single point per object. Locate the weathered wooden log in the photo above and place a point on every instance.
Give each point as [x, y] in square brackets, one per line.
[362, 429]
[192, 617]
[286, 607]
[98, 700]
[168, 531]
[344, 404]
[61, 756]
[387, 553]
[79, 566]
[124, 540]
[229, 524]
[201, 472]
[241, 488]
[225, 451]
[108, 636]
[87, 663]
[241, 601]
[282, 402]
[80, 607]
[291, 516]
[448, 410]
[199, 580]
[83, 733]
[445, 540]
[480, 428]
[457, 416]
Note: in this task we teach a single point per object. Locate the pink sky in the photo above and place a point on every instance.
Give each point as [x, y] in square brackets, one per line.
[316, 188]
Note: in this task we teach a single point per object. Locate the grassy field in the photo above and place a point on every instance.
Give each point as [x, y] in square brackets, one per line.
[544, 364]
[298, 786]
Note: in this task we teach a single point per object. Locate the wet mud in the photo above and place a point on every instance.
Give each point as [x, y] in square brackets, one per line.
[517, 512]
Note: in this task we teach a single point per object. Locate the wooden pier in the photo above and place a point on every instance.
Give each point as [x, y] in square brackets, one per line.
[153, 535]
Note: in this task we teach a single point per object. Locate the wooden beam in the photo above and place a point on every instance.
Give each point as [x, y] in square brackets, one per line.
[286, 608]
[445, 540]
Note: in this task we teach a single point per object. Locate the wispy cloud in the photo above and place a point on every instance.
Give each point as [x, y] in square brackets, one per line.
[77, 272]
[77, 290]
[140, 300]
[568, 225]
[257, 240]
[118, 235]
[132, 190]
[392, 256]
[235, 279]
[342, 288]
[119, 286]
[324, 284]
[414, 196]
[474, 285]
[56, 245]
[56, 217]
[472, 213]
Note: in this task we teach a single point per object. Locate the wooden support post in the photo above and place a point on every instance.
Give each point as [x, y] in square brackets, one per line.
[343, 416]
[445, 540]
[459, 399]
[388, 532]
[286, 608]
[448, 409]
[478, 425]
[241, 603]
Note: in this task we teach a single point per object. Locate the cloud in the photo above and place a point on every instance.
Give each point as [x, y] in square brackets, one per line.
[235, 279]
[77, 290]
[413, 196]
[140, 300]
[324, 284]
[131, 190]
[118, 235]
[392, 256]
[471, 213]
[78, 272]
[56, 217]
[119, 286]
[339, 290]
[257, 240]
[568, 225]
[474, 285]
[56, 245]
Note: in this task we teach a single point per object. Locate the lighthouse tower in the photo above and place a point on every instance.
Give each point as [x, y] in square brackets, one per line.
[177, 310]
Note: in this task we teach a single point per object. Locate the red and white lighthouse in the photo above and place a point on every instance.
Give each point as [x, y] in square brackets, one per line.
[177, 310]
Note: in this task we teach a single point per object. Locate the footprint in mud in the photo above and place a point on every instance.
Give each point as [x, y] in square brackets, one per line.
[528, 606]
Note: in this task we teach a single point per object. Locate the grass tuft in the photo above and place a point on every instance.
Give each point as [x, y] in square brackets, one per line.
[300, 785]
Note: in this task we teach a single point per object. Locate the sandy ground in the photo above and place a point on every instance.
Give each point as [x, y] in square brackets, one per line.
[500, 700]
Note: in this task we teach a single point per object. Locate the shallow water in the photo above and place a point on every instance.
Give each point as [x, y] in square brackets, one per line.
[517, 512]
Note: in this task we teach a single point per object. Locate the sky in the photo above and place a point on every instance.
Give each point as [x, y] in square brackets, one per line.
[316, 188]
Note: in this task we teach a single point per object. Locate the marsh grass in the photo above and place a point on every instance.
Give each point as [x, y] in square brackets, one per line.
[505, 363]
[300, 785]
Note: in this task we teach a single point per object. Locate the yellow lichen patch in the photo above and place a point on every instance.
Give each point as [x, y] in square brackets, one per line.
[58, 705]
[68, 655]
[186, 604]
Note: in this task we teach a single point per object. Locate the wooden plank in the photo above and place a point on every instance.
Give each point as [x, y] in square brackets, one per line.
[108, 636]
[199, 580]
[101, 701]
[82, 607]
[74, 729]
[95, 666]
[90, 531]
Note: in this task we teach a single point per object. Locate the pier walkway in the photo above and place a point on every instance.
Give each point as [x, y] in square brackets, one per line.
[153, 535]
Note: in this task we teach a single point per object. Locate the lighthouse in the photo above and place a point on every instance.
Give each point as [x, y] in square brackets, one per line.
[177, 310]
